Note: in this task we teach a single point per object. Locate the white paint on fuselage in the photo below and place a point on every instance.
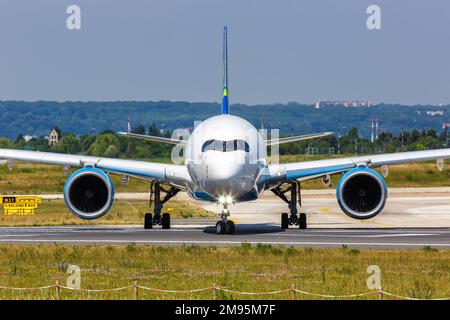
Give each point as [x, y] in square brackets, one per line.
[231, 173]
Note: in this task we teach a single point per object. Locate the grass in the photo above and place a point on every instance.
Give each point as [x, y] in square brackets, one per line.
[415, 273]
[45, 179]
[54, 212]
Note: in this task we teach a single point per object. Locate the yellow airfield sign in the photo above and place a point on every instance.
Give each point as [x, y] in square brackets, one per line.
[20, 205]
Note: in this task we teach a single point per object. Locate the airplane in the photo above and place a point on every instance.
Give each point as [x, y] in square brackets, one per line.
[225, 161]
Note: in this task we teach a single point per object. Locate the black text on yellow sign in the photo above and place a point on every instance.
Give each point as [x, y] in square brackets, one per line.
[20, 205]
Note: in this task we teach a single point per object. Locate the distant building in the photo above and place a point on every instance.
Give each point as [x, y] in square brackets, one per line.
[435, 113]
[348, 103]
[54, 136]
[317, 106]
[28, 137]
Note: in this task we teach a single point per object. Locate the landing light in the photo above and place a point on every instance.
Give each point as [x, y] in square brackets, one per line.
[226, 200]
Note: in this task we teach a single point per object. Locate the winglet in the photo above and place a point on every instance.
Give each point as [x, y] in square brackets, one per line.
[225, 72]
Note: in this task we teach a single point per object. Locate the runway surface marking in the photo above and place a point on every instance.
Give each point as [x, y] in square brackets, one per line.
[253, 234]
[431, 210]
[328, 210]
[362, 236]
[212, 242]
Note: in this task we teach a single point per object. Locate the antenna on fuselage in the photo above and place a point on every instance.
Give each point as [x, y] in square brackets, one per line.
[225, 72]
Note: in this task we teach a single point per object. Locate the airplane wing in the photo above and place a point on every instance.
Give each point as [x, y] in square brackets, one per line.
[176, 175]
[151, 138]
[313, 169]
[298, 138]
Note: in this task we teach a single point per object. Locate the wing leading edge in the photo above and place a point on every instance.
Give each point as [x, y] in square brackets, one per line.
[312, 169]
[298, 138]
[151, 138]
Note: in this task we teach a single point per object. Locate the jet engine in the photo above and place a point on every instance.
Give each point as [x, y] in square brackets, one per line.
[361, 193]
[89, 193]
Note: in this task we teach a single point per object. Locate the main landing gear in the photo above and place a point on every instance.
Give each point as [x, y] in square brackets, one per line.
[295, 218]
[225, 226]
[156, 218]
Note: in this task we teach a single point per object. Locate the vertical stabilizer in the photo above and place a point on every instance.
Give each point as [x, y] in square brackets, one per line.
[225, 73]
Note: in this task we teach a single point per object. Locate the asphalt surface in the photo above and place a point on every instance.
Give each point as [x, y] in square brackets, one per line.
[412, 208]
[204, 235]
[412, 218]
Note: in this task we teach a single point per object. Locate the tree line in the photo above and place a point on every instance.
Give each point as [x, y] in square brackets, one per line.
[352, 143]
[109, 144]
[34, 118]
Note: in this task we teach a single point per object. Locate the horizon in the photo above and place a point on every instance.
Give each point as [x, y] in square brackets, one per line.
[440, 105]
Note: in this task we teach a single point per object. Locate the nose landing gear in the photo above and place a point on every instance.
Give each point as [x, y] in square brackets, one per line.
[295, 218]
[225, 226]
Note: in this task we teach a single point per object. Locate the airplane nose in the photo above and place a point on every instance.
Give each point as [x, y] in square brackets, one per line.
[224, 166]
[228, 174]
[223, 171]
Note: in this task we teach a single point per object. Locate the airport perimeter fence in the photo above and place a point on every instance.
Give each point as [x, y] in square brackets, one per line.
[295, 294]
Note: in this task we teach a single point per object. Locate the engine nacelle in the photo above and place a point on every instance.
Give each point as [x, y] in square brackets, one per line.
[89, 193]
[361, 193]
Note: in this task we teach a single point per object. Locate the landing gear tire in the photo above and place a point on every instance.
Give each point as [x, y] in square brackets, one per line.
[302, 221]
[221, 227]
[148, 221]
[284, 221]
[165, 221]
[230, 228]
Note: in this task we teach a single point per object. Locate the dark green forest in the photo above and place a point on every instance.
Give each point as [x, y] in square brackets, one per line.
[92, 118]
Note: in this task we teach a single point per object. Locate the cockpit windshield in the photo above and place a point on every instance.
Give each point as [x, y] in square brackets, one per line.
[225, 146]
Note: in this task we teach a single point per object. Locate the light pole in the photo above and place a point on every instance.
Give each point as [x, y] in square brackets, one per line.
[403, 139]
[338, 142]
[339, 139]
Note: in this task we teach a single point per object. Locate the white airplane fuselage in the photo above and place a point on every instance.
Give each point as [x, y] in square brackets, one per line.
[225, 156]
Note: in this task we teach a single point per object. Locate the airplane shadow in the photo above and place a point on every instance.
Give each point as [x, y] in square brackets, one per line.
[249, 229]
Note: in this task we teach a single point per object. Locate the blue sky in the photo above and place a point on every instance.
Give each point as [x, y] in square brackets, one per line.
[280, 51]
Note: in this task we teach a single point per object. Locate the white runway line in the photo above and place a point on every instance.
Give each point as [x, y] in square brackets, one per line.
[188, 228]
[432, 210]
[213, 242]
[357, 236]
[29, 235]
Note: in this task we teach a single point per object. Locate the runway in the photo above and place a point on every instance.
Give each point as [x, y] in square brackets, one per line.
[405, 208]
[412, 218]
[253, 234]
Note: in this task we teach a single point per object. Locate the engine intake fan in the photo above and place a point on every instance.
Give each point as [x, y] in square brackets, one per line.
[361, 193]
[89, 193]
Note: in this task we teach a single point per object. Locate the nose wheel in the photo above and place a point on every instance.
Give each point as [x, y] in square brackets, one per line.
[225, 227]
